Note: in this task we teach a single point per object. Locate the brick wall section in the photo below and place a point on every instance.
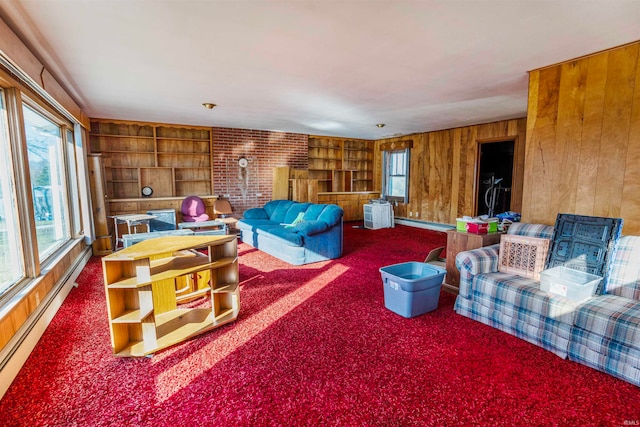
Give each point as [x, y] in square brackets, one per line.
[264, 150]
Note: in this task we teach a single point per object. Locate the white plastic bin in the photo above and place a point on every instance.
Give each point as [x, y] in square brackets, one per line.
[573, 284]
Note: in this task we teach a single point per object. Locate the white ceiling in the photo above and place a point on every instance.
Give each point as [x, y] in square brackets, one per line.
[313, 67]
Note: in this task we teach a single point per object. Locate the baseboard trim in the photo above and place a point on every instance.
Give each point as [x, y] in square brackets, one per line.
[18, 349]
[423, 224]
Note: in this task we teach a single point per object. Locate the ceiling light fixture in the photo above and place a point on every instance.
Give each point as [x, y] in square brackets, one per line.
[208, 105]
[381, 125]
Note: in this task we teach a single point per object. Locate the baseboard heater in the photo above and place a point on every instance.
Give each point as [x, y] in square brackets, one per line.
[424, 224]
[15, 353]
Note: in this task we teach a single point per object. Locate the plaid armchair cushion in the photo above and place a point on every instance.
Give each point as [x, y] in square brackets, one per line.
[531, 230]
[605, 355]
[518, 296]
[612, 317]
[624, 276]
[477, 261]
[485, 260]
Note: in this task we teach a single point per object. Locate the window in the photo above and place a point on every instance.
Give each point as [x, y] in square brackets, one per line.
[72, 154]
[11, 265]
[395, 180]
[48, 185]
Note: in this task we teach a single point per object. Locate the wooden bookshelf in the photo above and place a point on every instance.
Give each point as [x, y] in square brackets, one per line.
[173, 160]
[145, 285]
[341, 165]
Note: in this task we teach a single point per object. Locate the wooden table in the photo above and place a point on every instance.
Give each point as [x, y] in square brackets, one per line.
[458, 241]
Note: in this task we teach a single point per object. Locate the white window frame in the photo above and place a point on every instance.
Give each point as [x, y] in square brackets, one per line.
[389, 168]
[11, 217]
[65, 196]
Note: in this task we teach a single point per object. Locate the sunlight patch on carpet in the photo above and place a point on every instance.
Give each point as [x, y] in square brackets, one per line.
[197, 363]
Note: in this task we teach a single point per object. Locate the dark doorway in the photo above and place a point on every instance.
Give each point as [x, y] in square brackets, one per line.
[495, 175]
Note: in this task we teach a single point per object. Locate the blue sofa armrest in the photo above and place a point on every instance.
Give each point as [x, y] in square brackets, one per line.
[477, 261]
[311, 227]
[256, 213]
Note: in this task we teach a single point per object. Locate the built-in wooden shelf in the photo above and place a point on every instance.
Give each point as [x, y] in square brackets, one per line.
[341, 164]
[172, 160]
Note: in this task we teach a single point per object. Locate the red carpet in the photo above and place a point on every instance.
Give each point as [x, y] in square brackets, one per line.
[313, 345]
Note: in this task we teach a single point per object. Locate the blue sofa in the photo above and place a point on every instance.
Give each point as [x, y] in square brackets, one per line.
[602, 332]
[316, 236]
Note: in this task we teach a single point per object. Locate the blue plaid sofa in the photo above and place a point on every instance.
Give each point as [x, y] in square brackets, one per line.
[602, 332]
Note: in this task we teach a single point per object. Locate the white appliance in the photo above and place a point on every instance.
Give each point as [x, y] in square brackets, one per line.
[378, 214]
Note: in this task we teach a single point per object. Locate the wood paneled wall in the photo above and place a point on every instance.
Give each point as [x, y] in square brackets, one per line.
[443, 172]
[583, 139]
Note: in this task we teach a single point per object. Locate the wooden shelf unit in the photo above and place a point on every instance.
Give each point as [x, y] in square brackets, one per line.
[174, 160]
[341, 165]
[146, 282]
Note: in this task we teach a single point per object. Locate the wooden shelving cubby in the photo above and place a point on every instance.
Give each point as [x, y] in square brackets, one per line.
[175, 161]
[341, 165]
[146, 284]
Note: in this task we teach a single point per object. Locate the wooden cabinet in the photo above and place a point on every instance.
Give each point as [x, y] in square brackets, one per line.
[458, 242]
[146, 285]
[172, 160]
[341, 165]
[352, 203]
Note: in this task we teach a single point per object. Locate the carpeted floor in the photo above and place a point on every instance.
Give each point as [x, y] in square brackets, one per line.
[313, 345]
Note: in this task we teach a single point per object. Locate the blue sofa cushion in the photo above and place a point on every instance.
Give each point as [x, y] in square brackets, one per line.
[309, 228]
[281, 235]
[293, 212]
[277, 210]
[256, 213]
[254, 224]
[331, 214]
[313, 212]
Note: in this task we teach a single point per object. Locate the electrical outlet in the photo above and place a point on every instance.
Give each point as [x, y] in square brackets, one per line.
[417, 214]
[226, 196]
[410, 214]
[258, 194]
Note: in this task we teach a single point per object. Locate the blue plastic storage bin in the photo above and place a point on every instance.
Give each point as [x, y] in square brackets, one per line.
[412, 288]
